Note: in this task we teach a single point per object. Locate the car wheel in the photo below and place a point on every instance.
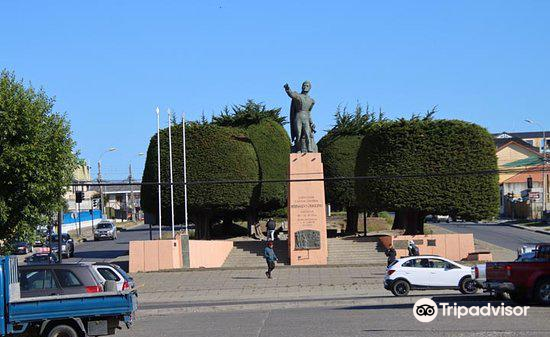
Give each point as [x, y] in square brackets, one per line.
[519, 298]
[467, 286]
[400, 288]
[542, 292]
[62, 331]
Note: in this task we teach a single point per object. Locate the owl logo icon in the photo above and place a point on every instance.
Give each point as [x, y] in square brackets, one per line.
[425, 310]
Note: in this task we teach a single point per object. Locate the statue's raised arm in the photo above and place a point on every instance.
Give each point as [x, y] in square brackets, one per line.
[290, 93]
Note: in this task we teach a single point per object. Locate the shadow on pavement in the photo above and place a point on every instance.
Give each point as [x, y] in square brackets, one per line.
[100, 254]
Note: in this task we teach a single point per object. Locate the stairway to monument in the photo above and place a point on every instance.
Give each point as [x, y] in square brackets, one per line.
[341, 251]
[355, 250]
[250, 253]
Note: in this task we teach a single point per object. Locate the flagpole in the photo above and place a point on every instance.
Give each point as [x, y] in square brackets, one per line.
[184, 174]
[171, 172]
[158, 174]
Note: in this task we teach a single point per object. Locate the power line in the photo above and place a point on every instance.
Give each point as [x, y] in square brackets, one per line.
[342, 178]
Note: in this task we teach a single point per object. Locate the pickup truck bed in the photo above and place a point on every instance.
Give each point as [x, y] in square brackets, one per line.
[525, 281]
[83, 305]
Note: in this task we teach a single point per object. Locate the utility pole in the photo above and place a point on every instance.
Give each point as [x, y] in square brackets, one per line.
[60, 235]
[544, 160]
[132, 200]
[100, 187]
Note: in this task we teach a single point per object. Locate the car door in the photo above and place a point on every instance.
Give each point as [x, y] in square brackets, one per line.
[415, 271]
[38, 282]
[445, 273]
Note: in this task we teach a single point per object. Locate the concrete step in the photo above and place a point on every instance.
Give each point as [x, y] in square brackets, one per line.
[346, 250]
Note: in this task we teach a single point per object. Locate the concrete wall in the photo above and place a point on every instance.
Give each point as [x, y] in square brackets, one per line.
[455, 247]
[208, 254]
[155, 255]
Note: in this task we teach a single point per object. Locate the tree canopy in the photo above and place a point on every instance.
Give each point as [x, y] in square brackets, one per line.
[248, 144]
[441, 155]
[339, 148]
[36, 158]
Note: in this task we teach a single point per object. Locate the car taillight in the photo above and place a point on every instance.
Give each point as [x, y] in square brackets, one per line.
[94, 289]
[125, 285]
[391, 271]
[476, 271]
[508, 270]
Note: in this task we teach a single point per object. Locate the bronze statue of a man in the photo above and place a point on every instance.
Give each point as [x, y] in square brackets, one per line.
[301, 124]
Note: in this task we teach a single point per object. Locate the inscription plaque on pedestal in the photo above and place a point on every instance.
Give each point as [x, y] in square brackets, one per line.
[307, 239]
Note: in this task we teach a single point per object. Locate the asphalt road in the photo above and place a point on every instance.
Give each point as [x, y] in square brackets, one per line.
[354, 320]
[106, 250]
[498, 234]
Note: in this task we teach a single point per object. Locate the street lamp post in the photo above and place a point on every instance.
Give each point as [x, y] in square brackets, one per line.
[544, 180]
[99, 179]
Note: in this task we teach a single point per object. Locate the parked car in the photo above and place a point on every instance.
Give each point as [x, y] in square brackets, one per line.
[67, 245]
[58, 279]
[41, 258]
[105, 230]
[113, 272]
[22, 247]
[427, 272]
[526, 280]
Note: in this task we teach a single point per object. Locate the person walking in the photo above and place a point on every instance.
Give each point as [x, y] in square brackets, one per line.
[270, 258]
[413, 249]
[391, 254]
[271, 229]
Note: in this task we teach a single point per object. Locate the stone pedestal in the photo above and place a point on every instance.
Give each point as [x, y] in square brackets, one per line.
[307, 222]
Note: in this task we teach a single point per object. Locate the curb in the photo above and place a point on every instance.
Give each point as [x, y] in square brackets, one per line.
[266, 305]
[192, 270]
[531, 230]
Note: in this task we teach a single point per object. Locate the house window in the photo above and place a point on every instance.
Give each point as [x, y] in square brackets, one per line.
[529, 141]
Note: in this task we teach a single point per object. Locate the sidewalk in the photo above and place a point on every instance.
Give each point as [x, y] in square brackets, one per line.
[252, 284]
[542, 229]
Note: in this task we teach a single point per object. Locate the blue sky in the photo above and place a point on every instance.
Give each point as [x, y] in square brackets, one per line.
[110, 63]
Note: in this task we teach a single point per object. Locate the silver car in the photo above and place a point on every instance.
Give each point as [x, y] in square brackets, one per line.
[105, 230]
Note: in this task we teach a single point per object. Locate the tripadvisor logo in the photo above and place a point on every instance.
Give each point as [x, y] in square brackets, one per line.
[425, 310]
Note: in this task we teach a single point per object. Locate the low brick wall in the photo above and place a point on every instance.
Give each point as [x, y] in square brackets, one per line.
[155, 255]
[455, 247]
[208, 254]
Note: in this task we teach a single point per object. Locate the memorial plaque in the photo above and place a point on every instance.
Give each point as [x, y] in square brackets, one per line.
[307, 239]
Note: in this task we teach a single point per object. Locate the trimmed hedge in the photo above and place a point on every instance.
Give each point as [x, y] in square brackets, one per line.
[213, 153]
[339, 160]
[406, 147]
[272, 146]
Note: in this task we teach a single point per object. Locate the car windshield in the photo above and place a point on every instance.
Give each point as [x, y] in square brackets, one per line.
[105, 225]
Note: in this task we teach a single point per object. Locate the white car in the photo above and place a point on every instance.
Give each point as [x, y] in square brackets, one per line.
[112, 272]
[428, 272]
